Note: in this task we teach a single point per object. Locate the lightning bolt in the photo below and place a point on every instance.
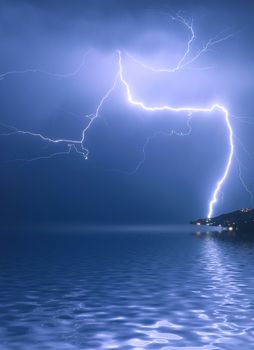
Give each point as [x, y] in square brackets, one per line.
[168, 108]
[184, 60]
[239, 164]
[76, 145]
[45, 72]
[79, 145]
[245, 186]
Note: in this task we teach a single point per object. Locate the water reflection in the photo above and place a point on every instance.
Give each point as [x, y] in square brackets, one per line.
[126, 291]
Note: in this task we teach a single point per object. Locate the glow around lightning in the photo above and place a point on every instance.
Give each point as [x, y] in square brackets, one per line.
[79, 145]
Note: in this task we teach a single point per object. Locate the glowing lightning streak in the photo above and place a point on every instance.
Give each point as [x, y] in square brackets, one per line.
[183, 61]
[43, 138]
[41, 71]
[239, 166]
[152, 137]
[243, 182]
[78, 145]
[222, 109]
[93, 117]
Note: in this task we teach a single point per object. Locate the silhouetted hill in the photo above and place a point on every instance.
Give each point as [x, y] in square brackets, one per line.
[241, 220]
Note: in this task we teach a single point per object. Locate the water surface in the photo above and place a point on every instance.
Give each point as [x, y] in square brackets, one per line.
[126, 290]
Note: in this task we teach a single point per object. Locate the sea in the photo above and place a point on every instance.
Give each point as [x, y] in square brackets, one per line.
[127, 288]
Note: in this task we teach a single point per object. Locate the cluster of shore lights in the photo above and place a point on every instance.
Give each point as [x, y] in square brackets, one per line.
[245, 210]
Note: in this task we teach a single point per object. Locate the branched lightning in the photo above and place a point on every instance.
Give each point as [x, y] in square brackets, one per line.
[245, 186]
[150, 138]
[45, 72]
[185, 60]
[93, 117]
[239, 168]
[76, 145]
[169, 133]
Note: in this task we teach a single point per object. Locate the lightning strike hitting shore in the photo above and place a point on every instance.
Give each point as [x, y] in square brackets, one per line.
[168, 108]
[79, 145]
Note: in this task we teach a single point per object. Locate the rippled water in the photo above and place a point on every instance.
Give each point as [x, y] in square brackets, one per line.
[126, 290]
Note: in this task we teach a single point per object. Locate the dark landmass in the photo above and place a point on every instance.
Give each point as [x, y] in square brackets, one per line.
[240, 220]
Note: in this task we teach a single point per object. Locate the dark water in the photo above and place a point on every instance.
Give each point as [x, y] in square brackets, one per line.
[126, 290]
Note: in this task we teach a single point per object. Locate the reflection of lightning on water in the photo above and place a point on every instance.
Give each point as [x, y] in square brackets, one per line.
[185, 61]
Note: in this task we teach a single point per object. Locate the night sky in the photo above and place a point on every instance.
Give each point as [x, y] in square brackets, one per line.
[73, 46]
